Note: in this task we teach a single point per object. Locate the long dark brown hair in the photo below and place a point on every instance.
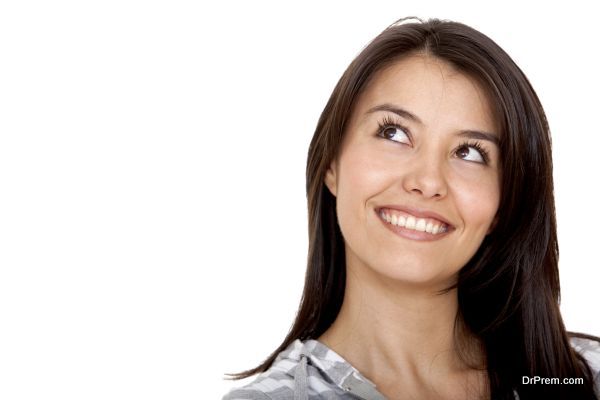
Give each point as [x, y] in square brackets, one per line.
[509, 291]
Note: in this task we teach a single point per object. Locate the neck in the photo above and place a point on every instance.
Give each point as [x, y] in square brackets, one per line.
[387, 329]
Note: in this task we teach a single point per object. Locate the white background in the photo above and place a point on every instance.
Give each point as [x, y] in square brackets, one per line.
[153, 227]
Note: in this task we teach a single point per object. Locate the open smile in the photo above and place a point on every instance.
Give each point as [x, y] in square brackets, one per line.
[411, 226]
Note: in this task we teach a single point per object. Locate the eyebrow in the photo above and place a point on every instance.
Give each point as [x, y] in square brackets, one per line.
[469, 133]
[481, 136]
[396, 110]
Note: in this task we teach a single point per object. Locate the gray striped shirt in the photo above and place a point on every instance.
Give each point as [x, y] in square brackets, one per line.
[310, 370]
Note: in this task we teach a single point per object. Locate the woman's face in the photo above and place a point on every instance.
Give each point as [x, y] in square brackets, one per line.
[417, 179]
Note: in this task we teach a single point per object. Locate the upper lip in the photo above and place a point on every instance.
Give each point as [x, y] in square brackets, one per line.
[417, 212]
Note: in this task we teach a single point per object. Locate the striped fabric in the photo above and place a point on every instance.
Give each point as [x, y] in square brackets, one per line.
[310, 370]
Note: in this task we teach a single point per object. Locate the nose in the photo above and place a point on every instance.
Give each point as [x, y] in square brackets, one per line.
[425, 176]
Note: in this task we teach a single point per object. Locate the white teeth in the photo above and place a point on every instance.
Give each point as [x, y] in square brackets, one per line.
[411, 222]
[402, 221]
[429, 227]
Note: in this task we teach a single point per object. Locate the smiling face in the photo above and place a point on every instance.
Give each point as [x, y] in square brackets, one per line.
[417, 178]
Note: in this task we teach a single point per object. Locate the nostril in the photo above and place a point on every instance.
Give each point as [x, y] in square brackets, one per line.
[431, 194]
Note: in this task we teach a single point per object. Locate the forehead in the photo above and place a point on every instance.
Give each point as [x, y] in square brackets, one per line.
[432, 89]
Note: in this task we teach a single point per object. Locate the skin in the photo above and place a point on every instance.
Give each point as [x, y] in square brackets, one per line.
[394, 326]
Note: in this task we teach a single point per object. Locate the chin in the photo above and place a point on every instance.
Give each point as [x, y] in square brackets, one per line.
[417, 274]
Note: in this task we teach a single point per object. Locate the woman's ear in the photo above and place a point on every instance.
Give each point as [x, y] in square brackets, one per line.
[331, 178]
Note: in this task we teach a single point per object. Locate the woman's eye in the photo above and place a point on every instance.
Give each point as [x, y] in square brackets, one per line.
[394, 133]
[470, 153]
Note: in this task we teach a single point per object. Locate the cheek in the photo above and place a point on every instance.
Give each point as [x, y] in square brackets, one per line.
[477, 199]
[361, 177]
[363, 173]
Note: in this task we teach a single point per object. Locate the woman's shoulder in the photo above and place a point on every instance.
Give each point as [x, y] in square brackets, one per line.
[589, 347]
[305, 370]
[269, 385]
[276, 383]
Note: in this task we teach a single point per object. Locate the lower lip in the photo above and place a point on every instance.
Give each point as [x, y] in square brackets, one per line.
[411, 233]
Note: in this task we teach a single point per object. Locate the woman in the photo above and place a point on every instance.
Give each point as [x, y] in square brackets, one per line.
[432, 268]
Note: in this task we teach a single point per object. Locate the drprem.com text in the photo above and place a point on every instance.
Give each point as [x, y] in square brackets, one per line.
[538, 380]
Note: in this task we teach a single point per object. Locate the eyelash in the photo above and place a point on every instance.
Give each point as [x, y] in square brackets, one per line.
[477, 146]
[388, 122]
